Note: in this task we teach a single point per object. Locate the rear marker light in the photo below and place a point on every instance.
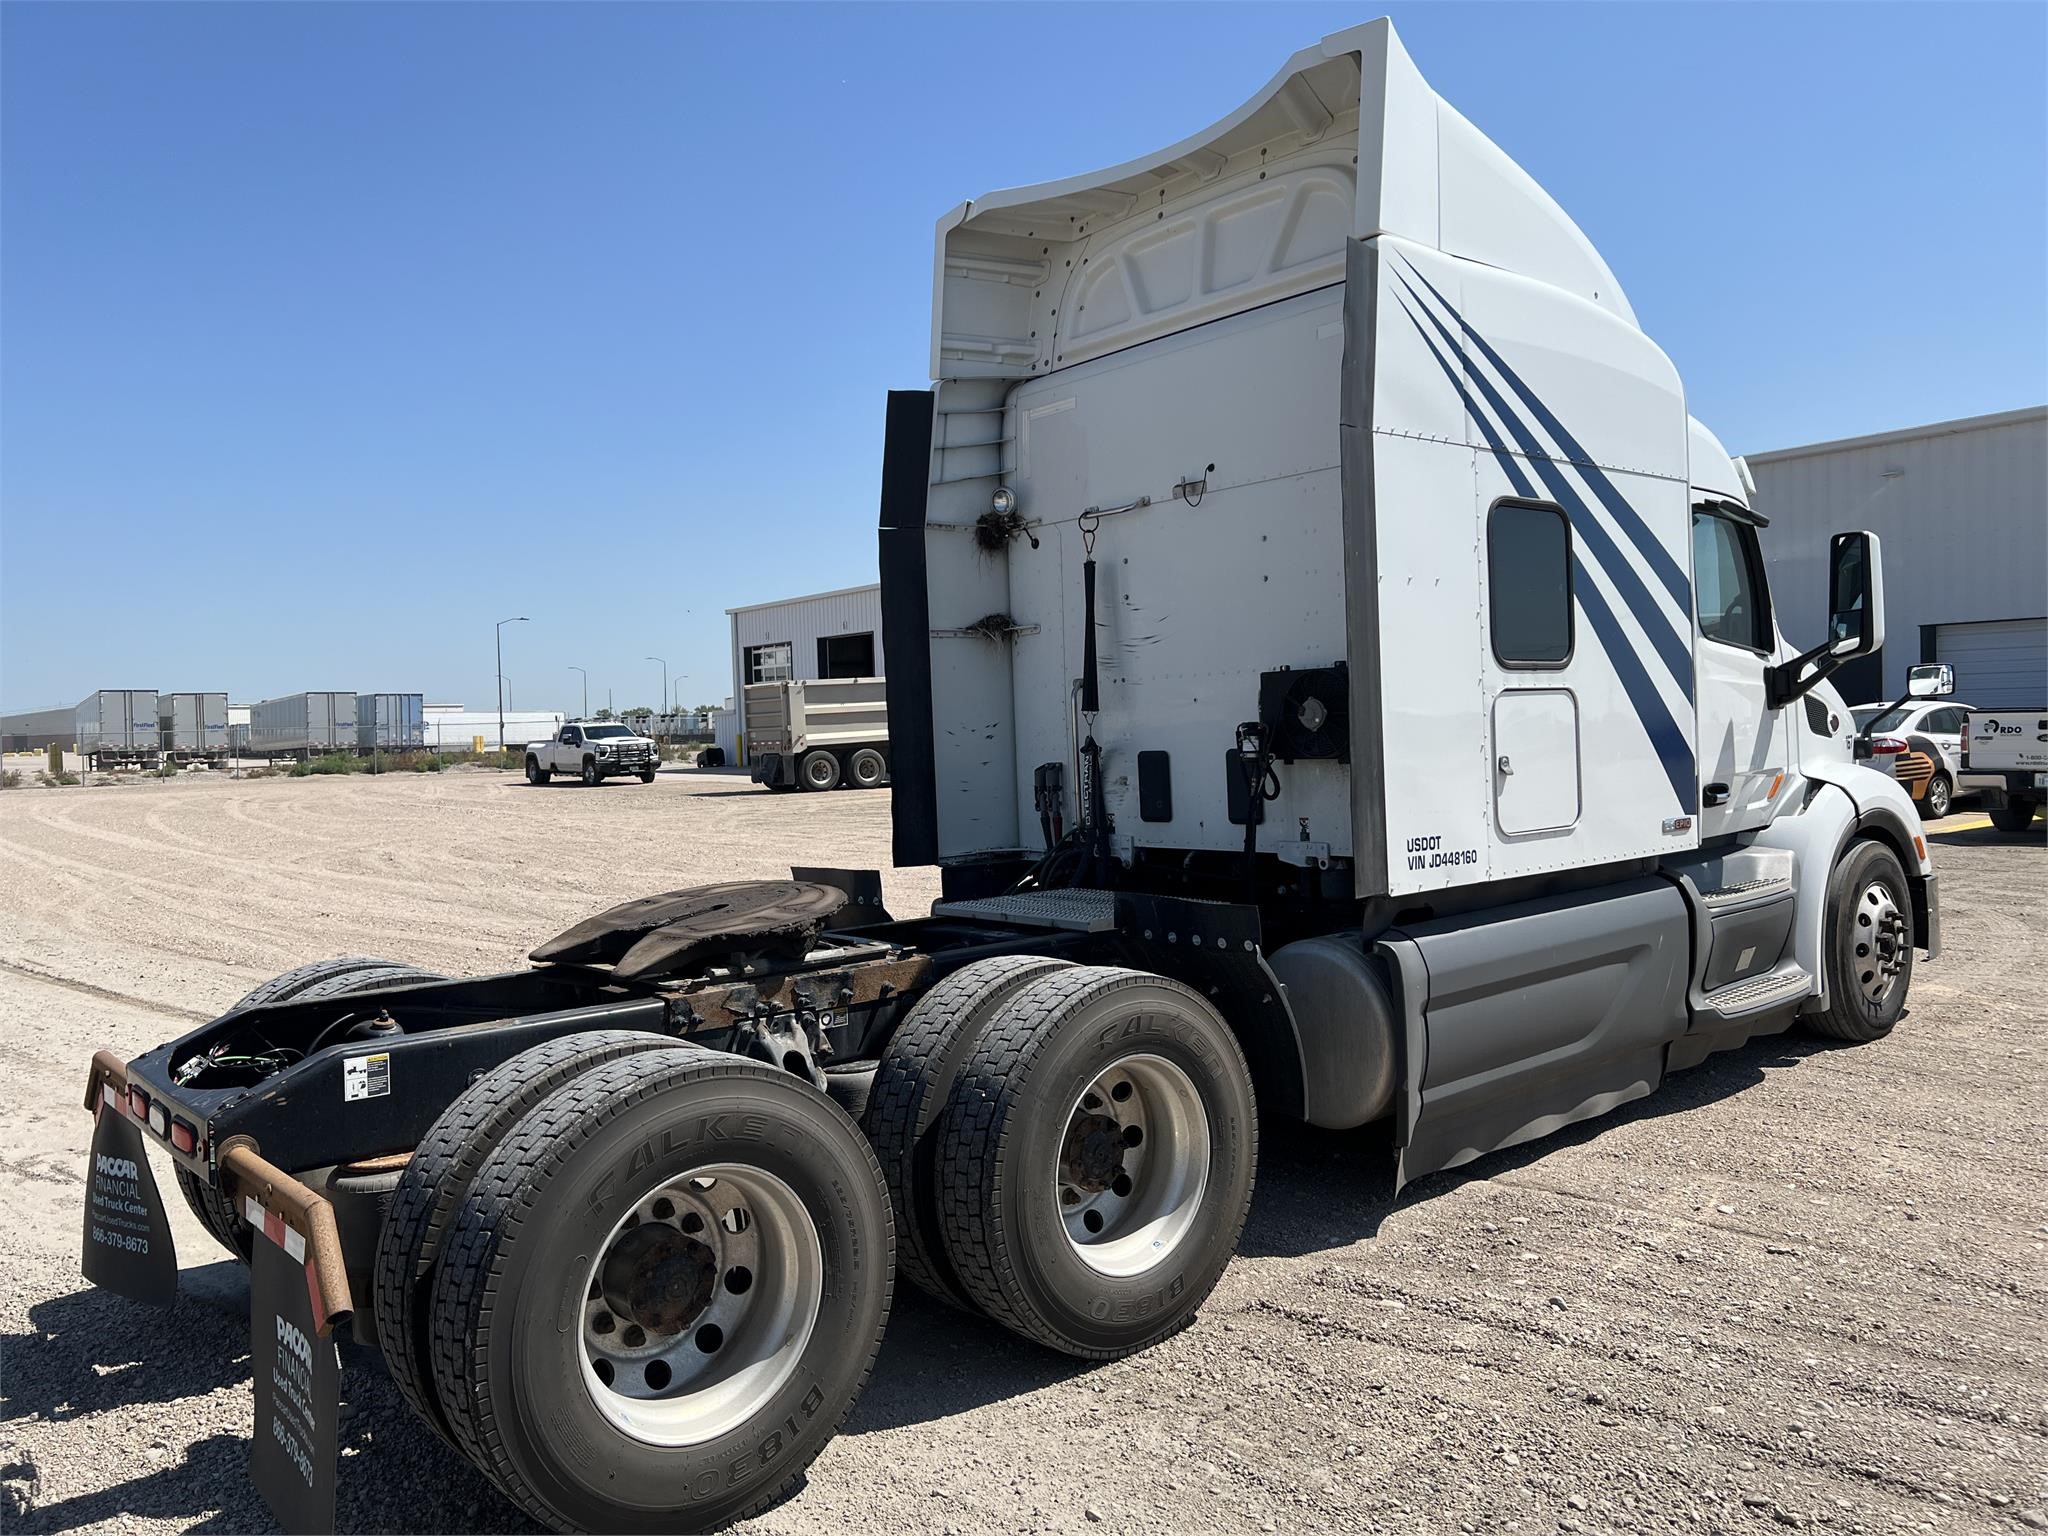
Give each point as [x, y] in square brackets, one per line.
[184, 1137]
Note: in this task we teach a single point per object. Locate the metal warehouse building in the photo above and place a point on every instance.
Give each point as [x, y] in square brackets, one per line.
[828, 634]
[30, 730]
[1962, 508]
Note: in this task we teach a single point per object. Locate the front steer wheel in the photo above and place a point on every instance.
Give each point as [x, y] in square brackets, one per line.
[1096, 1158]
[662, 1293]
[1869, 946]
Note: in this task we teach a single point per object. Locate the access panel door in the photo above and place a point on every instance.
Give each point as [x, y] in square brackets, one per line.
[1535, 761]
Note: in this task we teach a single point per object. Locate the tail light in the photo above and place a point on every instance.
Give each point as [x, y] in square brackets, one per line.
[184, 1137]
[1887, 746]
[138, 1104]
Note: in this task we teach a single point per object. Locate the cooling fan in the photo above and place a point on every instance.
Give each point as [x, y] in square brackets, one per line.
[1308, 711]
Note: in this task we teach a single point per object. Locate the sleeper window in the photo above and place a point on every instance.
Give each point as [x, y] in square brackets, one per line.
[1529, 584]
[1728, 586]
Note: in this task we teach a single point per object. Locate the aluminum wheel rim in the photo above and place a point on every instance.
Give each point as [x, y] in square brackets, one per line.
[1132, 1166]
[1878, 946]
[700, 1303]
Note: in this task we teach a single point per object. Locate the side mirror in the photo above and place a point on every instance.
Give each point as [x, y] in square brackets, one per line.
[1930, 680]
[1855, 595]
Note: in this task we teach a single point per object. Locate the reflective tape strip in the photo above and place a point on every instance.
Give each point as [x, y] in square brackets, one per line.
[272, 1226]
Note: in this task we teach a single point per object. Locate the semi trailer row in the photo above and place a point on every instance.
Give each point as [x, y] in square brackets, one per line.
[1337, 682]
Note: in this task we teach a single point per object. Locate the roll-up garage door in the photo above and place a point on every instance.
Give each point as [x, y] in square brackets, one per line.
[1999, 665]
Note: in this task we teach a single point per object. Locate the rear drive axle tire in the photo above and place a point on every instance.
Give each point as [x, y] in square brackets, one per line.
[818, 770]
[439, 1174]
[1096, 1160]
[535, 774]
[215, 1209]
[924, 1056]
[1868, 939]
[2016, 815]
[662, 1293]
[867, 768]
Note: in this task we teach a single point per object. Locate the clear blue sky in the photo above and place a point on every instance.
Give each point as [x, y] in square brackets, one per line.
[334, 333]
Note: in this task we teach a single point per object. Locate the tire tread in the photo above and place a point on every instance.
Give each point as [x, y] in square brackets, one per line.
[498, 1202]
[980, 1117]
[909, 1095]
[431, 1188]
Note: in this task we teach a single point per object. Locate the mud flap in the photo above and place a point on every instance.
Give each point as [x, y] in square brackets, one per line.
[297, 1378]
[128, 1248]
[1523, 1019]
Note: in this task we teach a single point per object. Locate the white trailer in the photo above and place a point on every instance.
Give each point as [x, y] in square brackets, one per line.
[819, 734]
[390, 722]
[1336, 681]
[303, 724]
[117, 727]
[192, 727]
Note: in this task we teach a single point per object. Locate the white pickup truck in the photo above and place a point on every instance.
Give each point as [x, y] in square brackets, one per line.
[593, 750]
[2011, 744]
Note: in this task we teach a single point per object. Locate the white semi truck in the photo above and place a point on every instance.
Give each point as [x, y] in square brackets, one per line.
[1337, 681]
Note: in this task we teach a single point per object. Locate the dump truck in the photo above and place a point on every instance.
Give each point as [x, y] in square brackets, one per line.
[819, 733]
[1337, 682]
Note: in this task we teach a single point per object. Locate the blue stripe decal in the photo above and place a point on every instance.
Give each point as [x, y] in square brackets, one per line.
[1674, 752]
[1653, 551]
[1509, 464]
[1673, 649]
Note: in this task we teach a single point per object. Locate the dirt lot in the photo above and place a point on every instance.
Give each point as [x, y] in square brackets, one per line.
[1801, 1287]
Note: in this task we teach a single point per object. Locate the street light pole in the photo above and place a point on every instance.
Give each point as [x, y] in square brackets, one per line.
[586, 691]
[501, 678]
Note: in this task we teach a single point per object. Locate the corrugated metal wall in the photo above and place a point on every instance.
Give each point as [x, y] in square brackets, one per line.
[801, 621]
[1959, 506]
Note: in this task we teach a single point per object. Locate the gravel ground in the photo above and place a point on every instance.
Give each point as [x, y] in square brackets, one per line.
[1801, 1287]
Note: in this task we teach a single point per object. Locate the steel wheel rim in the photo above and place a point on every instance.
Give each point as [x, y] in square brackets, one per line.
[1878, 942]
[817, 773]
[692, 1326]
[1132, 1166]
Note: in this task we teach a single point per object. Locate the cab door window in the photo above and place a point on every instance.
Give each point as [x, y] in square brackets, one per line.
[1729, 594]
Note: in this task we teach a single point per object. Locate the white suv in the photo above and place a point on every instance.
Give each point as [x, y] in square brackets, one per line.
[593, 750]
